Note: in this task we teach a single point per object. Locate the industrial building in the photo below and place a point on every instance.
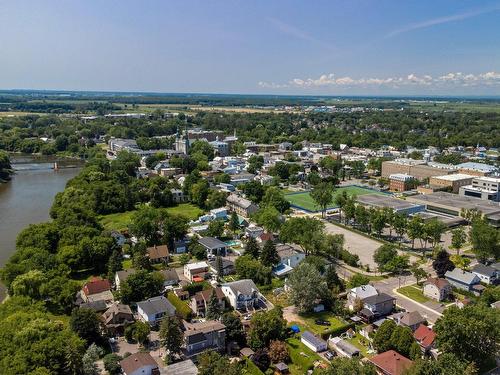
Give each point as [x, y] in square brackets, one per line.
[419, 169]
[386, 201]
[485, 188]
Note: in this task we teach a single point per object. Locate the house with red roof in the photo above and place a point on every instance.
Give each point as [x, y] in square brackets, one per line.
[391, 363]
[425, 337]
[96, 289]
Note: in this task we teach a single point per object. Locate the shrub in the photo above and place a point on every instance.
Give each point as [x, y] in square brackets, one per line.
[182, 309]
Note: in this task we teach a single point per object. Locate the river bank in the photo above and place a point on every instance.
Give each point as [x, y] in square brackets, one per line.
[27, 198]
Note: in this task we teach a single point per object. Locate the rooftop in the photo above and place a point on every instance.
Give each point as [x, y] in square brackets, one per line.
[211, 242]
[156, 305]
[391, 362]
[454, 177]
[382, 201]
[135, 361]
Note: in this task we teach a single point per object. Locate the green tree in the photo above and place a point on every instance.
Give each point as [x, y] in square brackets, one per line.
[198, 193]
[383, 255]
[234, 223]
[215, 228]
[382, 339]
[219, 267]
[398, 264]
[252, 248]
[418, 273]
[303, 231]
[415, 229]
[471, 333]
[269, 256]
[140, 286]
[322, 194]
[212, 363]
[269, 218]
[434, 229]
[306, 286]
[349, 366]
[458, 238]
[485, 240]
[274, 197]
[85, 323]
[215, 199]
[234, 328]
[445, 364]
[112, 363]
[214, 310]
[249, 268]
[140, 332]
[91, 356]
[400, 223]
[358, 280]
[266, 326]
[171, 336]
[341, 200]
[402, 340]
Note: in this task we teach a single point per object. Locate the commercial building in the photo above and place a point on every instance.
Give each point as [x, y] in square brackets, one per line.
[386, 201]
[477, 169]
[401, 182]
[453, 204]
[485, 188]
[419, 169]
[451, 182]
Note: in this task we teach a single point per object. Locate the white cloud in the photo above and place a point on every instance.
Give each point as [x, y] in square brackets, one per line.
[448, 80]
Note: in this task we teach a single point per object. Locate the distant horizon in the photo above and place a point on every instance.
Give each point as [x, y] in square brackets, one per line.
[284, 95]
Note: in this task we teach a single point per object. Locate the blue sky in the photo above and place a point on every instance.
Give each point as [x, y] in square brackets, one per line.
[261, 46]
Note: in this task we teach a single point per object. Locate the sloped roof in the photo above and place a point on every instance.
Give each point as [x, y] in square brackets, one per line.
[96, 285]
[379, 298]
[412, 318]
[158, 252]
[244, 286]
[211, 242]
[137, 360]
[424, 335]
[391, 362]
[123, 274]
[438, 282]
[483, 270]
[462, 276]
[157, 305]
[316, 341]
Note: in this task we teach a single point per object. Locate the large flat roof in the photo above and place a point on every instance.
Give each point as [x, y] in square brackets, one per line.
[454, 177]
[456, 202]
[382, 200]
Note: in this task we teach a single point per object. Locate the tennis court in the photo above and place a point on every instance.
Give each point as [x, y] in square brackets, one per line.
[303, 200]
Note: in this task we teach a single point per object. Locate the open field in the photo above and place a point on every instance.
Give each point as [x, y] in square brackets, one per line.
[121, 220]
[304, 200]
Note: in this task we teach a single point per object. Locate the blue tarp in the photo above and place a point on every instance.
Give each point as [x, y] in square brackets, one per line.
[295, 328]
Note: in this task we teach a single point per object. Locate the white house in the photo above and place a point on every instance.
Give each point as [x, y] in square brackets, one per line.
[290, 257]
[195, 269]
[154, 309]
[486, 274]
[241, 294]
[361, 292]
[437, 288]
[121, 276]
[140, 363]
[312, 342]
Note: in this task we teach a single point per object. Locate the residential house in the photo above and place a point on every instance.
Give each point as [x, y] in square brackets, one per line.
[219, 213]
[254, 231]
[158, 254]
[201, 336]
[119, 238]
[437, 288]
[97, 289]
[153, 310]
[170, 277]
[199, 301]
[425, 337]
[462, 279]
[195, 270]
[266, 236]
[98, 306]
[241, 206]
[376, 306]
[227, 267]
[411, 320]
[213, 246]
[360, 293]
[186, 367]
[180, 247]
[314, 343]
[178, 196]
[290, 257]
[121, 276]
[391, 363]
[486, 274]
[242, 294]
[140, 363]
[116, 318]
[343, 348]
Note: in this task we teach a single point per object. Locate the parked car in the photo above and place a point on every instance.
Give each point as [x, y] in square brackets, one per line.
[330, 355]
[322, 322]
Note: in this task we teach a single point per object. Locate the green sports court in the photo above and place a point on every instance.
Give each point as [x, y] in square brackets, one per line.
[303, 200]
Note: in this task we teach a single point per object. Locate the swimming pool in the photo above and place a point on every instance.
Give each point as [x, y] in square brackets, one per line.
[233, 243]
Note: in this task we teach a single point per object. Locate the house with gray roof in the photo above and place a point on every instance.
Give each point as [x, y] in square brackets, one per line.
[242, 294]
[213, 245]
[314, 343]
[376, 306]
[343, 348]
[462, 279]
[121, 276]
[241, 206]
[486, 274]
[202, 336]
[153, 310]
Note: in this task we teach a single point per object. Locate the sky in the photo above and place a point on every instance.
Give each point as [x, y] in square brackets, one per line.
[361, 47]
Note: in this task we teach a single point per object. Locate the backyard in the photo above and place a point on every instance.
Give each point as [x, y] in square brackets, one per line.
[302, 358]
[304, 200]
[120, 221]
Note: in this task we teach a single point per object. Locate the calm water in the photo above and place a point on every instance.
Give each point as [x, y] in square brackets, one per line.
[27, 199]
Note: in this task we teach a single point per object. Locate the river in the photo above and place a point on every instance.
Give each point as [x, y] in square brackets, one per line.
[27, 199]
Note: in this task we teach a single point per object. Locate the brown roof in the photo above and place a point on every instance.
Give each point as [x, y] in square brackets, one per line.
[440, 283]
[158, 252]
[135, 361]
[96, 285]
[424, 335]
[114, 309]
[202, 327]
[412, 318]
[391, 362]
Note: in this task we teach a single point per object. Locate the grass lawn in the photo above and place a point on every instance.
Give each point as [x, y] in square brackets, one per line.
[304, 200]
[301, 356]
[120, 221]
[360, 342]
[413, 292]
[335, 322]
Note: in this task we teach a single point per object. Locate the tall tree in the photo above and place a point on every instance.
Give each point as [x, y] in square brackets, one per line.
[214, 311]
[322, 194]
[86, 324]
[306, 286]
[442, 263]
[266, 326]
[269, 256]
[171, 336]
[303, 231]
[458, 238]
[383, 255]
[252, 248]
[485, 240]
